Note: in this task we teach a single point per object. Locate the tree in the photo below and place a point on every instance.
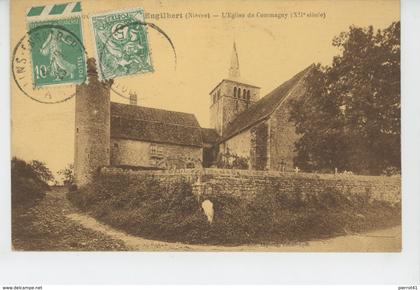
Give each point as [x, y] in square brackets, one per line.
[41, 170]
[29, 181]
[67, 174]
[350, 117]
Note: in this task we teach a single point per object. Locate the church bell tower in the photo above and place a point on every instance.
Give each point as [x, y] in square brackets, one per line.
[231, 96]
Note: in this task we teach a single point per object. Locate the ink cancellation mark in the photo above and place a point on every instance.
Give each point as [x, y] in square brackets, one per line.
[24, 66]
[121, 43]
[123, 90]
[56, 54]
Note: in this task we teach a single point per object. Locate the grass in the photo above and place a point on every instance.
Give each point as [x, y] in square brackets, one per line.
[42, 226]
[151, 210]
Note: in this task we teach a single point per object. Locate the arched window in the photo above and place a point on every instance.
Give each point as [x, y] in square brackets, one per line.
[239, 93]
[234, 92]
[218, 94]
[248, 95]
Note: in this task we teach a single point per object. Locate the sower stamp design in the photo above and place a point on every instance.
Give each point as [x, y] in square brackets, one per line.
[121, 43]
[56, 55]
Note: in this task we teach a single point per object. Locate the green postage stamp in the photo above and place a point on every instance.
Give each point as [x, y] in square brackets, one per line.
[55, 37]
[121, 44]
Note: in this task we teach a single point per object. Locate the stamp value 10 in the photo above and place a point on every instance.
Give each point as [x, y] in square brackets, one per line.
[57, 51]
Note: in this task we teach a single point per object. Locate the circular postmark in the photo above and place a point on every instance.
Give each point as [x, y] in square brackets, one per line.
[120, 34]
[47, 81]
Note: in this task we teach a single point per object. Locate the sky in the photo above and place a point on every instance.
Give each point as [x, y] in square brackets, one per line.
[271, 50]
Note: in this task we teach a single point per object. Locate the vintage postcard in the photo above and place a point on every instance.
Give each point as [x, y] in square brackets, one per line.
[238, 125]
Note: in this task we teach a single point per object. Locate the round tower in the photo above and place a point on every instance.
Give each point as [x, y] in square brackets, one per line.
[92, 126]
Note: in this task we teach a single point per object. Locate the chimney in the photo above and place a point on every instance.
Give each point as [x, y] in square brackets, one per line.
[133, 98]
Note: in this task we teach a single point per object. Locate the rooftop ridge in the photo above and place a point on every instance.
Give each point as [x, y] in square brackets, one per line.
[151, 108]
[278, 101]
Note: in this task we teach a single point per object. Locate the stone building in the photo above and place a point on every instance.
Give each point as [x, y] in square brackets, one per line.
[92, 126]
[256, 129]
[242, 123]
[127, 135]
[154, 138]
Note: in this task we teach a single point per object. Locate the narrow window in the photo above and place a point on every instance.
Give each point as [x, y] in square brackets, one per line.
[239, 93]
[153, 149]
[234, 92]
[156, 151]
[248, 95]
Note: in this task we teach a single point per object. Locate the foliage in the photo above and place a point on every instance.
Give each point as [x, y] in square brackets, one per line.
[151, 209]
[391, 171]
[67, 174]
[41, 170]
[232, 161]
[29, 180]
[350, 117]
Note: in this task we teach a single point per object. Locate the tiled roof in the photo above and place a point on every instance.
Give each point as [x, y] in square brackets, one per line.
[154, 125]
[264, 107]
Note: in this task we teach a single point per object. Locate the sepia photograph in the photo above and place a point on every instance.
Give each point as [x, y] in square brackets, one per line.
[227, 126]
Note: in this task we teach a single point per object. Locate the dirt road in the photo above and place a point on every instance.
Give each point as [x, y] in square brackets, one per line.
[73, 230]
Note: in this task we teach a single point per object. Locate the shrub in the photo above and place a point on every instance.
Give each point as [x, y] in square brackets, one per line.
[232, 161]
[29, 181]
[154, 210]
[67, 175]
[391, 170]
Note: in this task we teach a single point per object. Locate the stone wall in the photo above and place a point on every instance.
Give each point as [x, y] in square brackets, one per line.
[259, 146]
[166, 156]
[225, 106]
[283, 134]
[92, 126]
[247, 184]
[252, 144]
[238, 144]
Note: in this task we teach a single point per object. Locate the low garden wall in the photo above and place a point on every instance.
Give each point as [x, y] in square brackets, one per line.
[218, 206]
[247, 184]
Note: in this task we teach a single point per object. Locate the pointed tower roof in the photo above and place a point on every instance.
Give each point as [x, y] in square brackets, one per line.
[234, 72]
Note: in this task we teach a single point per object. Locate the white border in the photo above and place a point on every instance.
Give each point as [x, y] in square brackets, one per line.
[5, 125]
[18, 268]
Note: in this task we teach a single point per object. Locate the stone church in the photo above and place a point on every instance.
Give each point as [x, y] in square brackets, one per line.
[132, 136]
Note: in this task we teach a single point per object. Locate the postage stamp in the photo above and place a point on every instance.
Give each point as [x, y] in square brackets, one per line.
[55, 53]
[22, 69]
[121, 43]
